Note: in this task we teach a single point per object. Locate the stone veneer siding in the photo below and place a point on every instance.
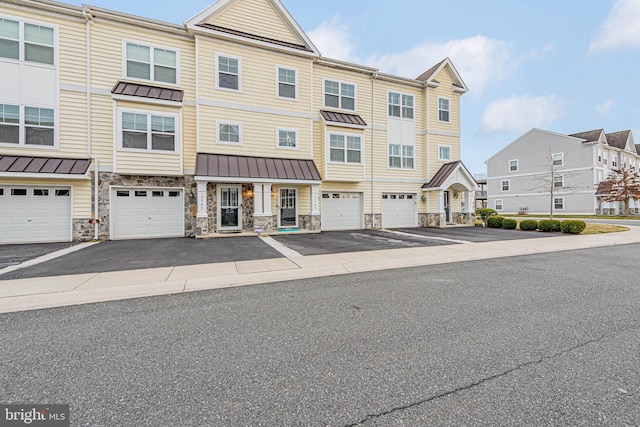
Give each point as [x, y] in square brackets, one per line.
[82, 231]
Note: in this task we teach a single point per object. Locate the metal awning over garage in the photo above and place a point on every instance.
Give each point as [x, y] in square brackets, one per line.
[56, 167]
[240, 169]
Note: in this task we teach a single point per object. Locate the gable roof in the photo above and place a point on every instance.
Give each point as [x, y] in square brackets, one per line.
[211, 21]
[619, 139]
[446, 171]
[589, 136]
[430, 75]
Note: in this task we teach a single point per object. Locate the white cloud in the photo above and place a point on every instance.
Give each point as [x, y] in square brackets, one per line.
[620, 30]
[479, 60]
[334, 40]
[522, 113]
[605, 107]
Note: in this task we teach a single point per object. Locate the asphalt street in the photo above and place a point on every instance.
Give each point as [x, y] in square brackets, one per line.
[542, 340]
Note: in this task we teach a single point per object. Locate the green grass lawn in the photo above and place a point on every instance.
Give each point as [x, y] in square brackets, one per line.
[574, 216]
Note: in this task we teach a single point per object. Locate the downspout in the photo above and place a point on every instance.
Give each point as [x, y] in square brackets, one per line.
[373, 121]
[96, 216]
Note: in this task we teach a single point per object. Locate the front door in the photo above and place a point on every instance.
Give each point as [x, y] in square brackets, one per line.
[447, 205]
[288, 212]
[229, 208]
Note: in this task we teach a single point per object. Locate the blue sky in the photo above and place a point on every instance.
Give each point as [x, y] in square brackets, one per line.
[567, 66]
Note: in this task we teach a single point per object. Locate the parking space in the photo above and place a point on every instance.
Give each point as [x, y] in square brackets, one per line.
[150, 253]
[476, 234]
[16, 254]
[329, 242]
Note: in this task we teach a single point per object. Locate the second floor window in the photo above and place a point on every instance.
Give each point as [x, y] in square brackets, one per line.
[506, 185]
[401, 156]
[287, 83]
[444, 153]
[229, 133]
[287, 138]
[400, 105]
[345, 148]
[444, 110]
[149, 132]
[151, 63]
[228, 73]
[27, 125]
[27, 42]
[339, 95]
[558, 181]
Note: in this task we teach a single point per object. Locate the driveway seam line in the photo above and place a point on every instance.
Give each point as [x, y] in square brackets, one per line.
[281, 247]
[46, 257]
[422, 236]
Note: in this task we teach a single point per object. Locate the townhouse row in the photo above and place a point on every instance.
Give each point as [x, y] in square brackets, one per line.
[115, 126]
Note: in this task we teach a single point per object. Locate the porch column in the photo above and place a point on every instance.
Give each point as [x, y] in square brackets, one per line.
[470, 201]
[202, 200]
[258, 199]
[266, 199]
[440, 201]
[315, 200]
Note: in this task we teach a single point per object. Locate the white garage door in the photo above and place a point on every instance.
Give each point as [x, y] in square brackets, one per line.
[399, 210]
[342, 211]
[35, 214]
[139, 213]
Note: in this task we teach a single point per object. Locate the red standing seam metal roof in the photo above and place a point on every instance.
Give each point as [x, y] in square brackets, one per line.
[443, 173]
[229, 166]
[52, 165]
[350, 119]
[148, 91]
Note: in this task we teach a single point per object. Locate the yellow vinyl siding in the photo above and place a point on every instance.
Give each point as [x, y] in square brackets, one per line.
[445, 90]
[362, 84]
[73, 52]
[189, 139]
[147, 163]
[102, 129]
[344, 172]
[255, 17]
[73, 124]
[80, 191]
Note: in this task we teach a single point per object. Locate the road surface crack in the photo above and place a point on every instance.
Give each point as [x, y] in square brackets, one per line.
[477, 383]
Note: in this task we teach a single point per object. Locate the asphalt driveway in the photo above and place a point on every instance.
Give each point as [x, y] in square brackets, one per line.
[16, 254]
[476, 234]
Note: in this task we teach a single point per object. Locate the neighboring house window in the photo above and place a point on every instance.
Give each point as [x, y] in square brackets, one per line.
[345, 148]
[228, 72]
[151, 63]
[558, 181]
[599, 156]
[506, 185]
[287, 83]
[444, 152]
[400, 105]
[287, 138]
[444, 110]
[558, 159]
[498, 205]
[27, 42]
[401, 156]
[558, 203]
[27, 125]
[339, 95]
[229, 133]
[149, 132]
[614, 162]
[513, 165]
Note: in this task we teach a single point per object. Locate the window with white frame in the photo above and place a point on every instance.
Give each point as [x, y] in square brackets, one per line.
[29, 126]
[339, 95]
[614, 161]
[498, 204]
[599, 156]
[505, 185]
[444, 152]
[400, 105]
[287, 138]
[229, 133]
[287, 83]
[513, 165]
[228, 72]
[558, 181]
[558, 159]
[148, 131]
[27, 42]
[401, 156]
[151, 63]
[444, 110]
[558, 203]
[345, 148]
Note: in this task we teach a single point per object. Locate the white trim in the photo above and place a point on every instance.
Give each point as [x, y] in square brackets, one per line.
[407, 181]
[346, 135]
[280, 189]
[563, 193]
[340, 83]
[219, 208]
[448, 111]
[400, 117]
[217, 72]
[280, 147]
[345, 125]
[508, 185]
[588, 168]
[222, 179]
[442, 159]
[222, 123]
[517, 165]
[553, 160]
[296, 84]
[443, 133]
[177, 135]
[43, 176]
[143, 100]
[495, 204]
[554, 203]
[152, 48]
[402, 157]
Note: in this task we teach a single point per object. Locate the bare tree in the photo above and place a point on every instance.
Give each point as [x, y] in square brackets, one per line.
[621, 186]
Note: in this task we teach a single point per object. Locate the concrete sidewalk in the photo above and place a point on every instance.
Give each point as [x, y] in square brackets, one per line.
[46, 292]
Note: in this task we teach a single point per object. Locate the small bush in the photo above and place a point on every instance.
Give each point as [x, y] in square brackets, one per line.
[485, 212]
[509, 224]
[572, 226]
[495, 222]
[549, 225]
[529, 225]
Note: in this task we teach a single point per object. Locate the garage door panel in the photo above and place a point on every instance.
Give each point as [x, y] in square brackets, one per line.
[399, 210]
[342, 211]
[137, 213]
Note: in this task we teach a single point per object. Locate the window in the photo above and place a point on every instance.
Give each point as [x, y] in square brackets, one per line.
[558, 159]
[345, 148]
[400, 105]
[287, 83]
[287, 138]
[443, 110]
[614, 162]
[63, 193]
[40, 192]
[558, 203]
[229, 133]
[122, 193]
[228, 72]
[498, 204]
[27, 42]
[18, 191]
[444, 152]
[401, 156]
[506, 185]
[558, 181]
[339, 95]
[142, 131]
[35, 126]
[151, 63]
[140, 193]
[513, 165]
[157, 194]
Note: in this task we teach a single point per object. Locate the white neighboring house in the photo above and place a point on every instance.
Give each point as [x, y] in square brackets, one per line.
[544, 170]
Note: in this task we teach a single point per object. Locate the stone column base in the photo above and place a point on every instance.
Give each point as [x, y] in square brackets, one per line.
[82, 231]
[309, 222]
[437, 220]
[372, 221]
[266, 223]
[202, 227]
